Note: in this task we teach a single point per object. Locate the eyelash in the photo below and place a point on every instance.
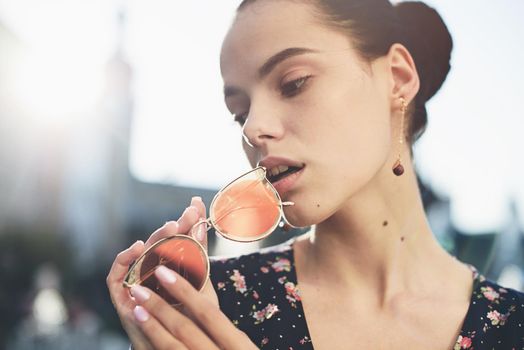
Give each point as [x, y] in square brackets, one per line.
[288, 89]
[294, 87]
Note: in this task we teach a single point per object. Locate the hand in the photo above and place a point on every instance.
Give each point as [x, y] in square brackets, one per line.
[195, 212]
[167, 328]
[120, 296]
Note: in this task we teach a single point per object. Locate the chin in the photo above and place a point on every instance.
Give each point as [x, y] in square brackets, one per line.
[302, 216]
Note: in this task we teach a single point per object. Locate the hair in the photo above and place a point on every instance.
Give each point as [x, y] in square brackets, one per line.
[373, 26]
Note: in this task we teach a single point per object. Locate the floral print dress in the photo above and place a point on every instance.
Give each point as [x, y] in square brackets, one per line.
[259, 293]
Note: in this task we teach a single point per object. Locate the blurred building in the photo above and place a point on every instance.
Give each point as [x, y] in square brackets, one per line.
[25, 156]
[76, 182]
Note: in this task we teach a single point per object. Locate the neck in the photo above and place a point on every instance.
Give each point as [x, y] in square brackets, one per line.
[379, 241]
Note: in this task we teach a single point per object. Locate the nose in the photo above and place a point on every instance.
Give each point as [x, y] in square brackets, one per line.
[262, 125]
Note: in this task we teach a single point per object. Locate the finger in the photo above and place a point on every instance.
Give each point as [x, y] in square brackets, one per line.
[169, 229]
[122, 261]
[189, 217]
[207, 313]
[200, 234]
[199, 204]
[119, 295]
[200, 231]
[177, 324]
[157, 335]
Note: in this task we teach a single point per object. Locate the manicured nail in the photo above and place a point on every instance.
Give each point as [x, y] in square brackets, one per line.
[172, 222]
[140, 313]
[172, 226]
[196, 199]
[190, 208]
[140, 293]
[200, 232]
[165, 275]
[136, 244]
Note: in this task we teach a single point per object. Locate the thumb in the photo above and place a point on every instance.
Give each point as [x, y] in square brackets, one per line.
[199, 232]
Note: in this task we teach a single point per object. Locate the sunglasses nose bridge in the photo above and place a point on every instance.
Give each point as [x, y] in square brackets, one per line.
[206, 222]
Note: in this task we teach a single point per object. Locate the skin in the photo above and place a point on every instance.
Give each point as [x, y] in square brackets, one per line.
[344, 126]
[372, 250]
[153, 324]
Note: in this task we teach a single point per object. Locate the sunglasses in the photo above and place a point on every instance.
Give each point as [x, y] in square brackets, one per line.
[248, 209]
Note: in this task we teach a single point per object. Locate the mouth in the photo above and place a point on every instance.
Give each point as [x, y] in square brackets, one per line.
[279, 172]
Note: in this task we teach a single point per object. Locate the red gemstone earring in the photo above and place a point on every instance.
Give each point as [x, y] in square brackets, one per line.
[398, 169]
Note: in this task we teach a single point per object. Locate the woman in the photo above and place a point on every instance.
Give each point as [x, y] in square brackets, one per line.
[334, 90]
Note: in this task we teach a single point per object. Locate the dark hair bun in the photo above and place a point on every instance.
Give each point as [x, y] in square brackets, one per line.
[428, 40]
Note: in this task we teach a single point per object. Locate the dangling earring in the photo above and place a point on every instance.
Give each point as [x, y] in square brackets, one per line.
[398, 169]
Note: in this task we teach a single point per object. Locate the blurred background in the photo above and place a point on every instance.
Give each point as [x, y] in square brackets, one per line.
[112, 118]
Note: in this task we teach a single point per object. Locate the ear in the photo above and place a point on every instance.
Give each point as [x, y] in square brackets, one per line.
[404, 77]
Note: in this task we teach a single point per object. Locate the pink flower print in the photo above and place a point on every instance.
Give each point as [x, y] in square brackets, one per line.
[264, 269]
[489, 293]
[281, 264]
[462, 343]
[239, 281]
[292, 294]
[497, 318]
[221, 285]
[259, 316]
[465, 343]
[494, 317]
[271, 309]
[304, 340]
[502, 290]
[264, 341]
[282, 279]
[255, 295]
[266, 313]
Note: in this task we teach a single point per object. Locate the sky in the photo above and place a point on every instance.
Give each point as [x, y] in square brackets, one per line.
[183, 134]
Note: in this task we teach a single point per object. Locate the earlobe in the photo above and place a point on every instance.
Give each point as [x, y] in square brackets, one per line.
[405, 79]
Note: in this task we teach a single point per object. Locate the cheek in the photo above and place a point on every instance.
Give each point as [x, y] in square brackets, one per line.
[353, 127]
[250, 154]
[347, 147]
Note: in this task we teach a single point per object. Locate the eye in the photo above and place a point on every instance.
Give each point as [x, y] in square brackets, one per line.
[294, 87]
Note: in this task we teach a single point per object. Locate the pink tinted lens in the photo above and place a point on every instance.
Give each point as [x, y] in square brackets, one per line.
[246, 210]
[182, 255]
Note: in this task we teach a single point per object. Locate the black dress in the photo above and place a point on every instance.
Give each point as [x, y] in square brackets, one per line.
[259, 294]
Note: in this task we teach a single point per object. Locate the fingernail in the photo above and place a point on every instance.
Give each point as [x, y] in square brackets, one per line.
[196, 199]
[172, 222]
[174, 225]
[165, 275]
[140, 313]
[200, 232]
[140, 293]
[136, 244]
[190, 208]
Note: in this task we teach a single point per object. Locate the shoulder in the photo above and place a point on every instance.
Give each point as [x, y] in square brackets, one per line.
[495, 317]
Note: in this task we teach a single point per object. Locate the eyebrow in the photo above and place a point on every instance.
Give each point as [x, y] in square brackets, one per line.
[274, 60]
[270, 64]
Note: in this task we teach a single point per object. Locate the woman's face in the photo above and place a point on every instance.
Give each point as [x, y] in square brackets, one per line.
[305, 98]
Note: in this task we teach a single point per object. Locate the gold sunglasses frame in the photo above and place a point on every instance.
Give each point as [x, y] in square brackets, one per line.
[131, 279]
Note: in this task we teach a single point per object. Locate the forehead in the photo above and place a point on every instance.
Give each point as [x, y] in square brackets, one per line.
[269, 26]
